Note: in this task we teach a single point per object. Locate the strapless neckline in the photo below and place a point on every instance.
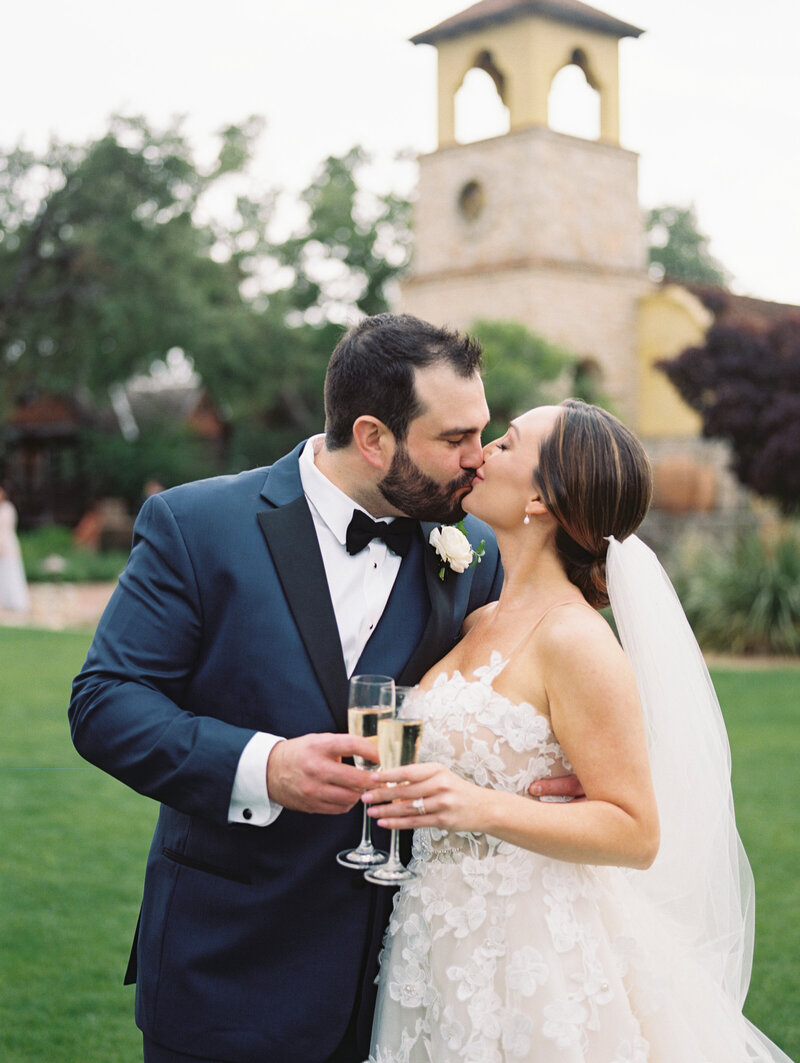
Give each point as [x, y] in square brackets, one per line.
[485, 675]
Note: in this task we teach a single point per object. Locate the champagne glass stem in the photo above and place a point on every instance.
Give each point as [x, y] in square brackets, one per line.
[392, 873]
[394, 863]
[365, 845]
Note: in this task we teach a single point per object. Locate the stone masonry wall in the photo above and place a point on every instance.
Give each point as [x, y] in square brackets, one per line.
[551, 236]
[591, 314]
[546, 196]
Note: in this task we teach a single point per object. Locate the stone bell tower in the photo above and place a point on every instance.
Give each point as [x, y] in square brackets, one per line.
[534, 225]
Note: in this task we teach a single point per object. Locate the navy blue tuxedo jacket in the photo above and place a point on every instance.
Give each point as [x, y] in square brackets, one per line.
[253, 944]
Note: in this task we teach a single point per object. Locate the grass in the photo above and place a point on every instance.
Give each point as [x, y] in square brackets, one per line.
[762, 713]
[71, 867]
[74, 845]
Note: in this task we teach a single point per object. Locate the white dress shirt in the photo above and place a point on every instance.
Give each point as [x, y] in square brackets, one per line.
[359, 585]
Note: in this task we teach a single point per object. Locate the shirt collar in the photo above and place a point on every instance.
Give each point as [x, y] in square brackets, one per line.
[332, 505]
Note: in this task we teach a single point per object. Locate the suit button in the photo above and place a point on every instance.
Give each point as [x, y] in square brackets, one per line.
[247, 813]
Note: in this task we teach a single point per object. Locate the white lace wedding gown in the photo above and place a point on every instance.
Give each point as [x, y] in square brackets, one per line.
[497, 954]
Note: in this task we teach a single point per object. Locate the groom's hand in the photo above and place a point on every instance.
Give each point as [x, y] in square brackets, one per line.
[307, 774]
[562, 786]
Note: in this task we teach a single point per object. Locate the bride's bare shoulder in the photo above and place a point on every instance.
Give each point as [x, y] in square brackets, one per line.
[576, 631]
[472, 619]
[580, 658]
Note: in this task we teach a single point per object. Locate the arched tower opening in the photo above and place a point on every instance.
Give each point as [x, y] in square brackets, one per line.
[574, 103]
[479, 103]
[529, 41]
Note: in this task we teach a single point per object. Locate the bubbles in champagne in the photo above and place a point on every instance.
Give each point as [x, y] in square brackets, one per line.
[364, 723]
[398, 742]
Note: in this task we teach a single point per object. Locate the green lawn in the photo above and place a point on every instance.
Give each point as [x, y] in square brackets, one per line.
[762, 712]
[74, 843]
[71, 867]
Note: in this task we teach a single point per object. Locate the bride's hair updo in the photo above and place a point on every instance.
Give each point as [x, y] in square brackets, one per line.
[596, 480]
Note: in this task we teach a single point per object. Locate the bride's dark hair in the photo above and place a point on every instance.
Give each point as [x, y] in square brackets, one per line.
[595, 478]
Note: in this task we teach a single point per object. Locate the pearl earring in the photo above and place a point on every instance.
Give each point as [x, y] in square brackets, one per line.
[526, 519]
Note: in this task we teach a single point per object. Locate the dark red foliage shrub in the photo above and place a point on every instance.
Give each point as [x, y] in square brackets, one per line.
[745, 384]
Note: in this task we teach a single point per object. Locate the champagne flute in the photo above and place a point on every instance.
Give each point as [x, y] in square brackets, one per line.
[398, 744]
[371, 700]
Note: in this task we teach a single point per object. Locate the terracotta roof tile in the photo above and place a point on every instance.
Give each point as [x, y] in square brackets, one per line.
[729, 308]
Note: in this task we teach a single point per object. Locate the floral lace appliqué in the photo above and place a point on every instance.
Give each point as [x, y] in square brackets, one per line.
[493, 954]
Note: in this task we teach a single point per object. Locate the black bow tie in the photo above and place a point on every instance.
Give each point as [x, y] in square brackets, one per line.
[362, 530]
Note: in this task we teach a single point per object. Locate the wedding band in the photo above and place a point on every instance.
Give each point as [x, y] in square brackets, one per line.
[419, 804]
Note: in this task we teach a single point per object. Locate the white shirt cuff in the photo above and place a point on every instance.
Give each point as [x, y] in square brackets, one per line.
[250, 801]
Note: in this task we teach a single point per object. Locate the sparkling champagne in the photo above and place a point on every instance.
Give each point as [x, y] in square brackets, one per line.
[364, 723]
[398, 742]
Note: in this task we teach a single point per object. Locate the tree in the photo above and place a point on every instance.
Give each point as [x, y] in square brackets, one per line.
[351, 246]
[339, 263]
[522, 370]
[678, 250]
[110, 258]
[103, 267]
[745, 384]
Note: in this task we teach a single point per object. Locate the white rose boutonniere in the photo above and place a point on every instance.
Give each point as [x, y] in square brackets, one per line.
[454, 548]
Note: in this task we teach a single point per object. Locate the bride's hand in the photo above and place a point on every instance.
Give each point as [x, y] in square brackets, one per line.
[425, 795]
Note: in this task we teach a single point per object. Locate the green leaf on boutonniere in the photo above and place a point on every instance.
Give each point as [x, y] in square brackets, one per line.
[477, 551]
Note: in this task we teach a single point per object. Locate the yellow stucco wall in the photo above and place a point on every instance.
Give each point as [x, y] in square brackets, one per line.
[529, 52]
[670, 319]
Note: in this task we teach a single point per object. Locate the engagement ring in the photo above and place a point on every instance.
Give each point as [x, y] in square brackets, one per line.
[419, 804]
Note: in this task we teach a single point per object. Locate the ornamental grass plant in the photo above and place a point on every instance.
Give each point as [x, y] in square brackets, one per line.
[747, 600]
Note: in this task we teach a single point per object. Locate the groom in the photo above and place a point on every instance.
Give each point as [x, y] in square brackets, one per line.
[217, 684]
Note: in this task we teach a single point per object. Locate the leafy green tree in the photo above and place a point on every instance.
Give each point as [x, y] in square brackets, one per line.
[351, 246]
[113, 467]
[522, 370]
[678, 250]
[103, 267]
[339, 263]
[109, 258]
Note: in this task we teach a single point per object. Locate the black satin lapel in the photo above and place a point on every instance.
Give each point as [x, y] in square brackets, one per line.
[292, 540]
[435, 641]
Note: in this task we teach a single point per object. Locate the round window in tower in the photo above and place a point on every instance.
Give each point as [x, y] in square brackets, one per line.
[470, 200]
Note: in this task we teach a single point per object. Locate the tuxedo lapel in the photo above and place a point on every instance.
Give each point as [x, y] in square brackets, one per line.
[436, 637]
[292, 541]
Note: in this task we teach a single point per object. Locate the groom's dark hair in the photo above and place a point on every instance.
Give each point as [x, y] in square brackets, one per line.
[371, 371]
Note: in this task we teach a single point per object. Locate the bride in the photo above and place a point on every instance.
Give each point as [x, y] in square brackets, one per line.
[615, 929]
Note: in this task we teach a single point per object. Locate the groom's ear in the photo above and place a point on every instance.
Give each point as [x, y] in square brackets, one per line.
[374, 441]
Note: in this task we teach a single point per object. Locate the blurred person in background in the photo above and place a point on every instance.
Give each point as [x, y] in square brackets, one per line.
[13, 587]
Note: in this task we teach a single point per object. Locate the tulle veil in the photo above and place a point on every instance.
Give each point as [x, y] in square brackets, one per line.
[701, 877]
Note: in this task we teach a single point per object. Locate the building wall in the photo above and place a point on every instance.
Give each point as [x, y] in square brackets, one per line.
[545, 195]
[670, 320]
[556, 242]
[592, 314]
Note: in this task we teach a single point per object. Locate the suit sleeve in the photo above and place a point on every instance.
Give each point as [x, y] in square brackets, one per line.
[125, 713]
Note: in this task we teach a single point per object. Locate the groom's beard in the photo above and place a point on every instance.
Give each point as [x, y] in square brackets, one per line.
[409, 489]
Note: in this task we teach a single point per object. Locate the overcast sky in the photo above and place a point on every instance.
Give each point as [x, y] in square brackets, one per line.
[710, 95]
